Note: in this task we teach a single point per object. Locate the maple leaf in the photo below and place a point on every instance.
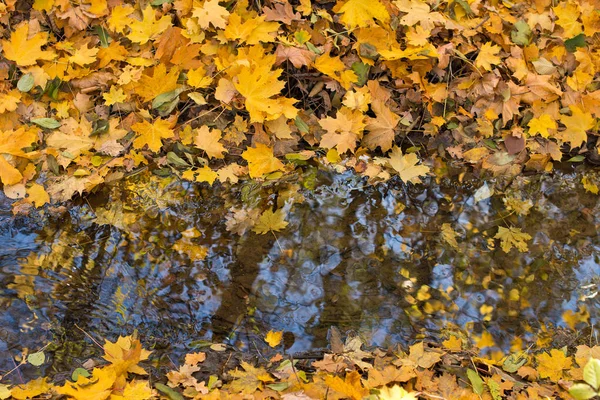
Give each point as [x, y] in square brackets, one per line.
[151, 133]
[350, 386]
[568, 18]
[97, 387]
[211, 13]
[31, 389]
[420, 356]
[361, 13]
[406, 166]
[26, 51]
[198, 78]
[488, 56]
[512, 237]
[119, 18]
[552, 365]
[138, 390]
[160, 82]
[576, 126]
[258, 85]
[418, 12]
[381, 129]
[148, 28]
[541, 125]
[208, 140]
[274, 338]
[335, 68]
[84, 55]
[397, 392]
[125, 354]
[9, 101]
[261, 160]
[114, 96]
[343, 131]
[249, 380]
[270, 221]
[252, 31]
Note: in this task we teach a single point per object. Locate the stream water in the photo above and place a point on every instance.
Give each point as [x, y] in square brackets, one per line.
[367, 259]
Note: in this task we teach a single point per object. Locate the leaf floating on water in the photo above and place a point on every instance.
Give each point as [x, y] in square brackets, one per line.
[271, 221]
[274, 338]
[406, 166]
[512, 237]
[449, 235]
[36, 359]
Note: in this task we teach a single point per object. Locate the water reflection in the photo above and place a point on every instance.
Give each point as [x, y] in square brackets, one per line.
[157, 256]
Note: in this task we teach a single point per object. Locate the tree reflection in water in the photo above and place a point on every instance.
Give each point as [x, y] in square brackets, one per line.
[361, 258]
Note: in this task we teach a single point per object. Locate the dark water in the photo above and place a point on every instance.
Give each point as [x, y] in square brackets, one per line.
[361, 258]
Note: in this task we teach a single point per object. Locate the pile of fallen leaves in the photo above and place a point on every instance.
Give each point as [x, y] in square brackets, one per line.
[451, 370]
[94, 90]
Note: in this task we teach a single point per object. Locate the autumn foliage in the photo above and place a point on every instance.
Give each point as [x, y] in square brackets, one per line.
[94, 90]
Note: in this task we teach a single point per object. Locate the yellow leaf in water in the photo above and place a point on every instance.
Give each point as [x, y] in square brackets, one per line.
[97, 387]
[125, 354]
[512, 237]
[449, 235]
[271, 221]
[274, 338]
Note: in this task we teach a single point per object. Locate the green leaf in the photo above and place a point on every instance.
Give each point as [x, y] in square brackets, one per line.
[513, 362]
[591, 373]
[578, 158]
[301, 125]
[581, 391]
[170, 393]
[279, 386]
[362, 71]
[521, 33]
[476, 382]
[575, 42]
[48, 123]
[79, 372]
[176, 160]
[494, 389]
[166, 97]
[99, 127]
[36, 359]
[312, 48]
[102, 33]
[26, 82]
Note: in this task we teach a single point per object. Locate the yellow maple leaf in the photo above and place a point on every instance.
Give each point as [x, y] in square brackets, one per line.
[576, 126]
[211, 13]
[512, 237]
[84, 55]
[361, 13]
[206, 174]
[270, 221]
[198, 78]
[258, 84]
[551, 365]
[125, 354]
[351, 386]
[343, 131]
[31, 389]
[397, 392]
[12, 144]
[9, 101]
[97, 387]
[407, 166]
[138, 390]
[274, 338]
[381, 129]
[541, 125]
[119, 19]
[151, 133]
[37, 195]
[488, 56]
[149, 87]
[249, 380]
[208, 140]
[252, 31]
[26, 51]
[115, 95]
[261, 160]
[568, 18]
[335, 68]
[148, 28]
[449, 235]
